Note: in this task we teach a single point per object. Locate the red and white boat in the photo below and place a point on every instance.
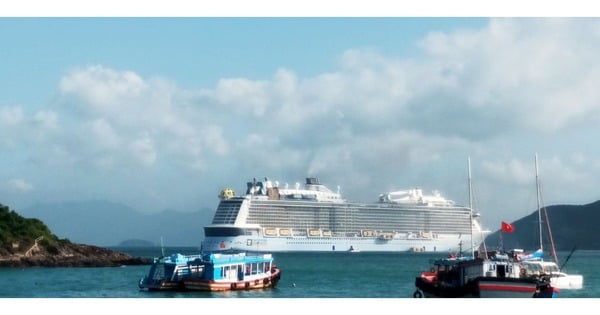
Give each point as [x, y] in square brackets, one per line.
[496, 277]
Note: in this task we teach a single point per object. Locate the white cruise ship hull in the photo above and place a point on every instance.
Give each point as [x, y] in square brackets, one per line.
[449, 243]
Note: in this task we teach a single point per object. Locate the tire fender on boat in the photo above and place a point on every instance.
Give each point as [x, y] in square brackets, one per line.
[418, 294]
[247, 285]
[233, 286]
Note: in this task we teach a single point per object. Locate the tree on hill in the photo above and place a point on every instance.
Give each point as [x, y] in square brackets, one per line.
[17, 232]
[29, 242]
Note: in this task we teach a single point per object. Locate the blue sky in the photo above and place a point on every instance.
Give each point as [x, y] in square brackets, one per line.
[163, 113]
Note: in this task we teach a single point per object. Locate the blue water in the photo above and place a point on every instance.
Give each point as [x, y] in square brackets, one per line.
[331, 275]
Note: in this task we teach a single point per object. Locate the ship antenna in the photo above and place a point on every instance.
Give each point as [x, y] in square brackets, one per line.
[162, 249]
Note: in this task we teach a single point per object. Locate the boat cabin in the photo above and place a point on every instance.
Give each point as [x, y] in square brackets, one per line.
[232, 267]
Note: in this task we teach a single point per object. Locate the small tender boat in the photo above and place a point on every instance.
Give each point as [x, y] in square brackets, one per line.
[497, 277]
[239, 271]
[558, 278]
[168, 272]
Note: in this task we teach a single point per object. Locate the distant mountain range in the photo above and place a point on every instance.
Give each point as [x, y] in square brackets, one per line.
[105, 223]
[571, 226]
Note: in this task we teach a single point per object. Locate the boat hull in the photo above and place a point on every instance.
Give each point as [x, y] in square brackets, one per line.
[224, 285]
[492, 287]
[481, 287]
[567, 282]
[161, 285]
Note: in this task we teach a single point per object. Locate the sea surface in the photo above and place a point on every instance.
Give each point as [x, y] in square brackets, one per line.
[304, 275]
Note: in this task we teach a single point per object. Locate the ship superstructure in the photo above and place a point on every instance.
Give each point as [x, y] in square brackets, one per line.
[271, 218]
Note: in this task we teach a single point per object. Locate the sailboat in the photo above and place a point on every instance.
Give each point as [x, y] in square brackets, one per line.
[534, 263]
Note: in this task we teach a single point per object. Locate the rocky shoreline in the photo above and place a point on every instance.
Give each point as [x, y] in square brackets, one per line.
[70, 255]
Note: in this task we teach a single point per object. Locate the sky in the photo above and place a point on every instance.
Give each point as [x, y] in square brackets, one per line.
[164, 113]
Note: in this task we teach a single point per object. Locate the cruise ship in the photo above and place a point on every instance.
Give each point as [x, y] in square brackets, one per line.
[313, 218]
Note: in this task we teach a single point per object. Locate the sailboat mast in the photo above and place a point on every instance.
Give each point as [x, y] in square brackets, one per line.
[537, 189]
[470, 206]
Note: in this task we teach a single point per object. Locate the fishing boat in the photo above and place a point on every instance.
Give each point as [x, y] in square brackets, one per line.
[236, 271]
[494, 276]
[211, 272]
[168, 272]
[491, 275]
[273, 217]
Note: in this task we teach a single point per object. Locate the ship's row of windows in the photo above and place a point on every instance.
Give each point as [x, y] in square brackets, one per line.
[339, 220]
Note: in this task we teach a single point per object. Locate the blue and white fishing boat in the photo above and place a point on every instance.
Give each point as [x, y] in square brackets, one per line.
[241, 271]
[212, 272]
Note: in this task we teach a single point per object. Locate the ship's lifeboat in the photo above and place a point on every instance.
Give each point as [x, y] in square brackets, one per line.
[314, 232]
[386, 236]
[270, 232]
[368, 233]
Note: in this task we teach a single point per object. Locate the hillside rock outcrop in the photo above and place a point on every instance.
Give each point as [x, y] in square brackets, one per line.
[69, 255]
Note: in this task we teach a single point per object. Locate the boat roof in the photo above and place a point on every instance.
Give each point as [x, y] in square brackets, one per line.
[450, 261]
[229, 258]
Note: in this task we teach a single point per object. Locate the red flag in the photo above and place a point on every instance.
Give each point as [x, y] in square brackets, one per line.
[507, 227]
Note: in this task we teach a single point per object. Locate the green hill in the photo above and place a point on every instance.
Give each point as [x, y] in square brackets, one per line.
[571, 225]
[18, 233]
[28, 242]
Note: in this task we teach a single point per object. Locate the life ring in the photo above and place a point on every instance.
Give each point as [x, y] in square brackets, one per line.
[417, 294]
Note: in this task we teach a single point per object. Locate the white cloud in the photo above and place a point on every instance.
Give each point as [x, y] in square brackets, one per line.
[103, 90]
[509, 171]
[535, 72]
[20, 185]
[47, 119]
[104, 134]
[378, 121]
[247, 96]
[143, 150]
[10, 116]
